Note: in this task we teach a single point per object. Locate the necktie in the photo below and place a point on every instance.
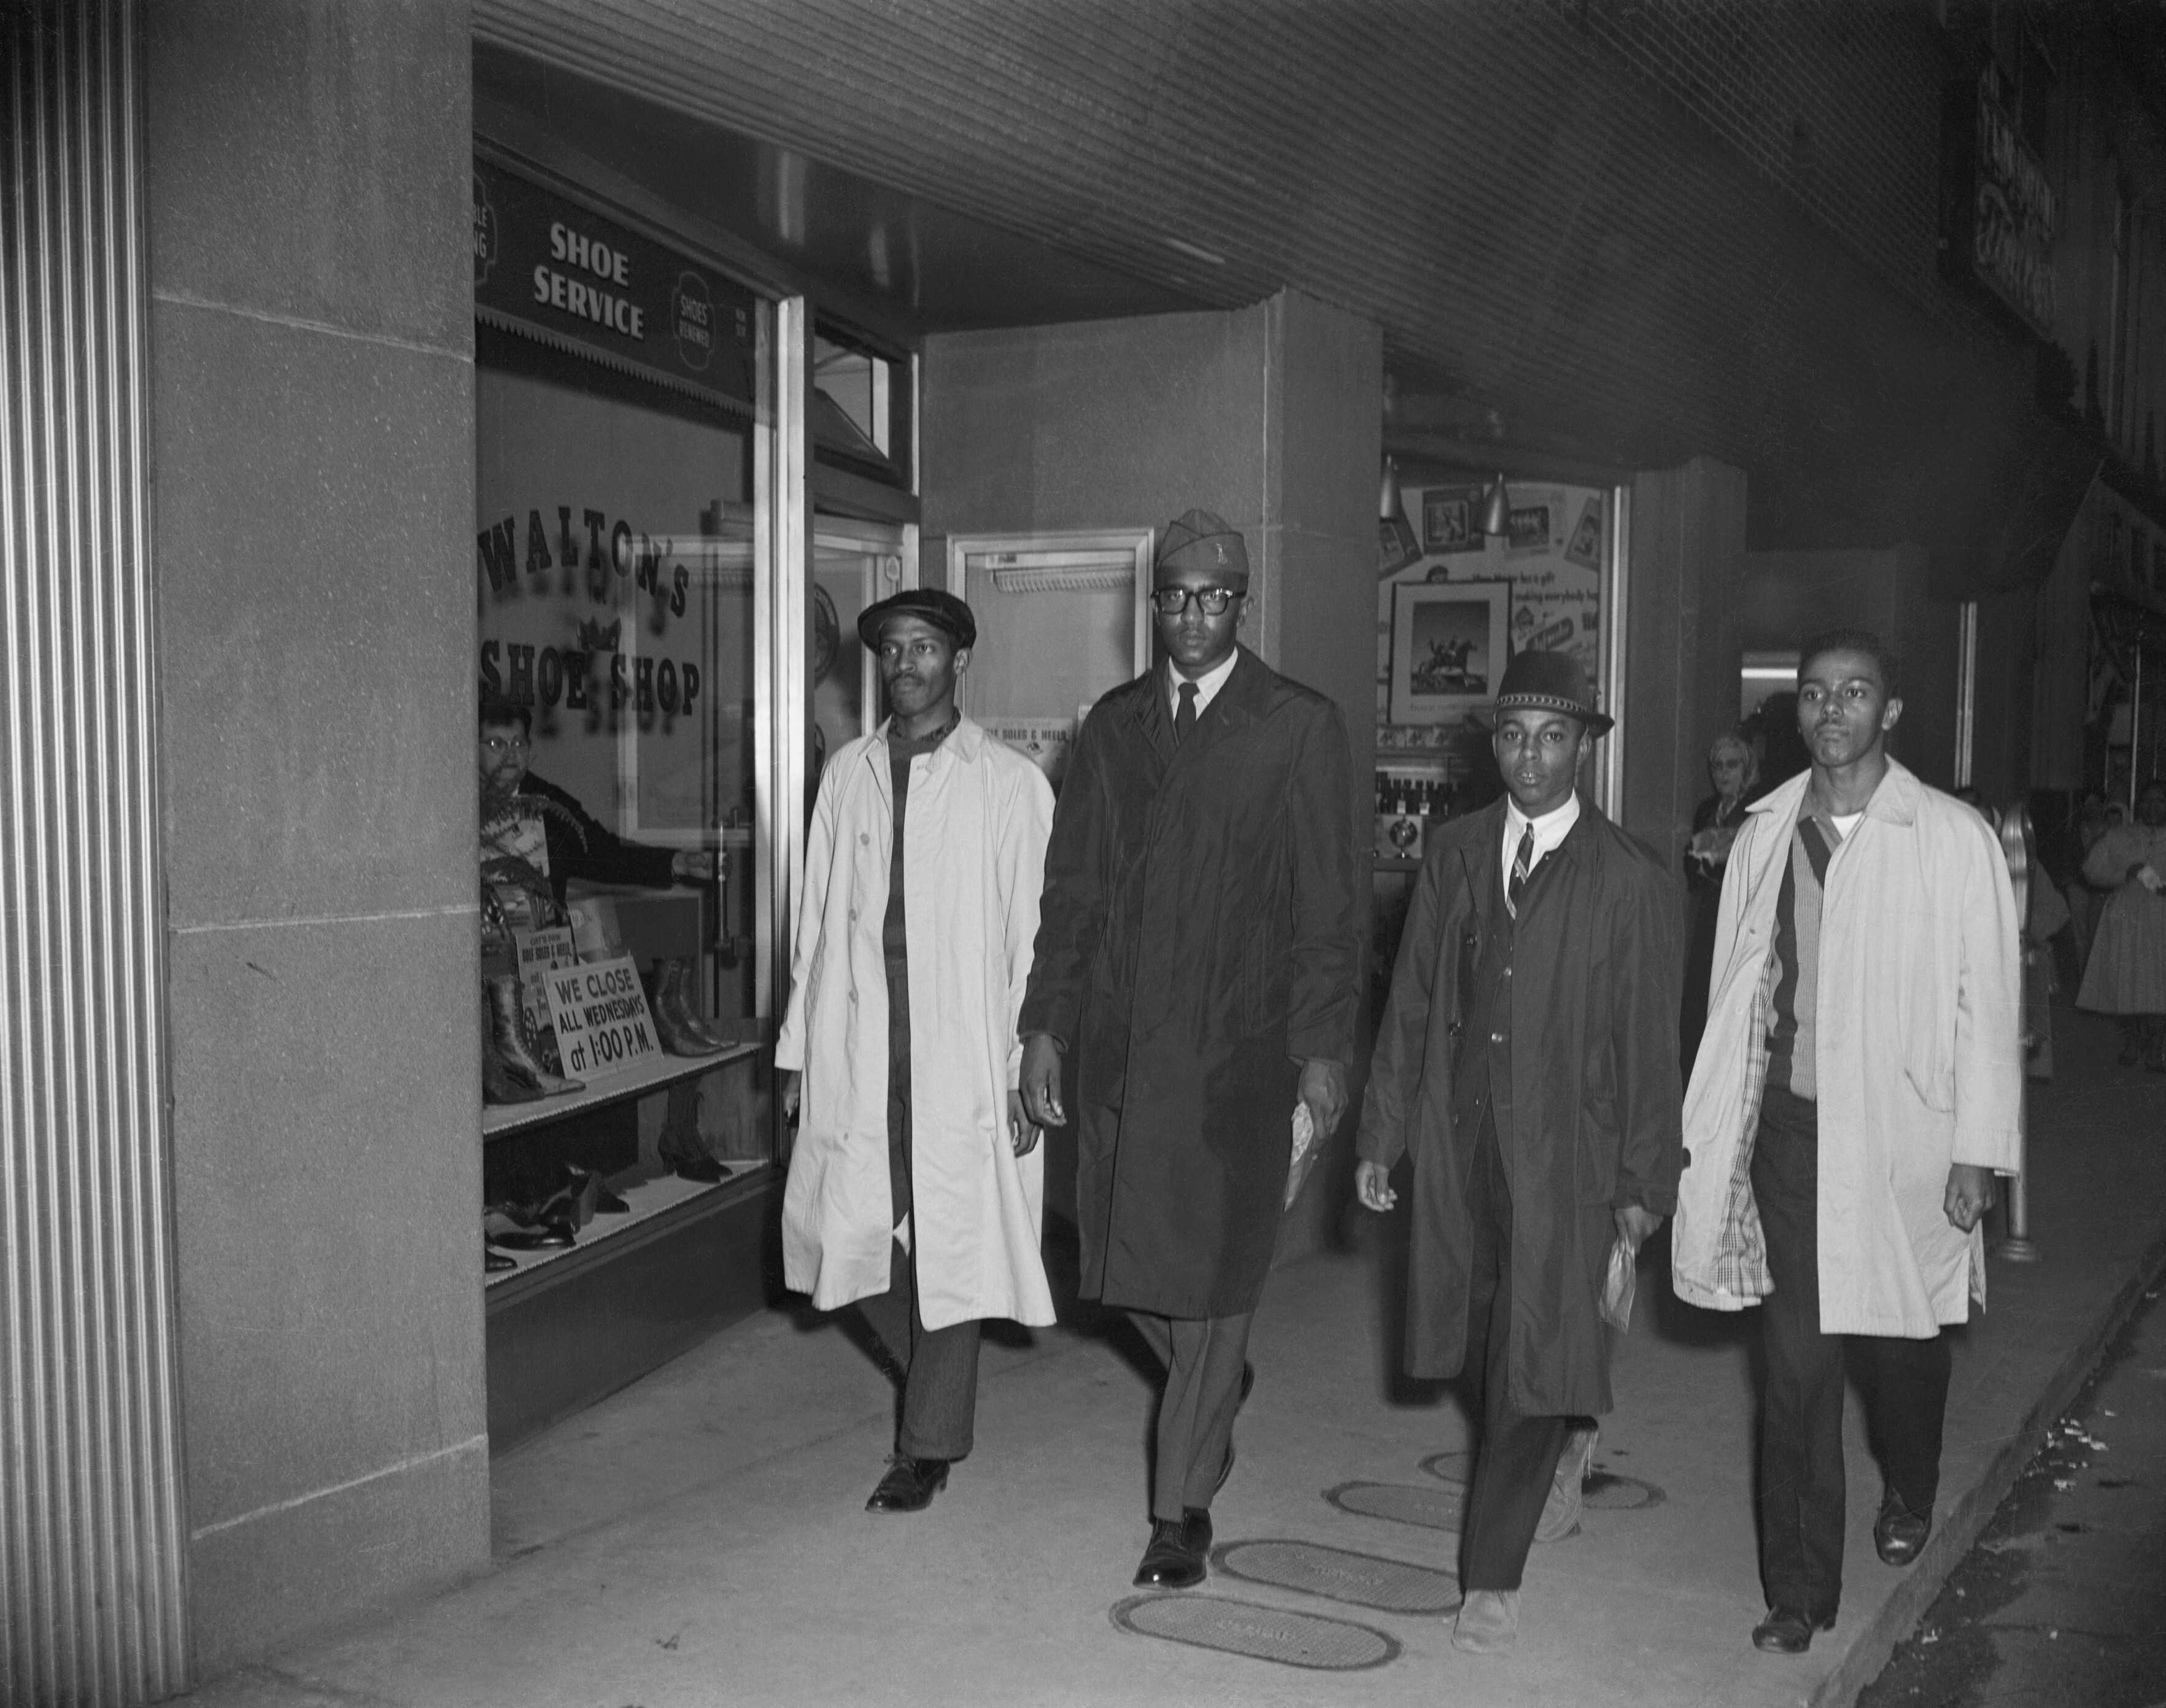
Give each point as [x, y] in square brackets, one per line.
[1522, 863]
[1184, 719]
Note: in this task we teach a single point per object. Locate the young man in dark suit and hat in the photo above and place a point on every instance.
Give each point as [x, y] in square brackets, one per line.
[1197, 964]
[1527, 1065]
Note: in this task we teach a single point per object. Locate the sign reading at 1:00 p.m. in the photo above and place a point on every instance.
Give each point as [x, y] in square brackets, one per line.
[549, 269]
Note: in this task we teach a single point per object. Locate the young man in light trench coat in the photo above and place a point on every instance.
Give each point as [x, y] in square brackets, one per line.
[916, 1186]
[1856, 1091]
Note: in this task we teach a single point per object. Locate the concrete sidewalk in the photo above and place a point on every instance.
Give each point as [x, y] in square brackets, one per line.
[699, 1539]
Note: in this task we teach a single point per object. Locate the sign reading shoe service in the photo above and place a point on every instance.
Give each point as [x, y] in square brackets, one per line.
[548, 268]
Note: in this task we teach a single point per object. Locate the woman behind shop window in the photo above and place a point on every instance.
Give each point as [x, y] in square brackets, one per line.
[2126, 974]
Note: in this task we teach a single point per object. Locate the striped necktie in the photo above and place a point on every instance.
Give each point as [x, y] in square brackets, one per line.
[1523, 864]
[1184, 719]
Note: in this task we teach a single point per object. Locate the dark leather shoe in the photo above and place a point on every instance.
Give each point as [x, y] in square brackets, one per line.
[1899, 1534]
[1786, 1631]
[909, 1485]
[605, 1201]
[495, 1262]
[550, 1236]
[1179, 1551]
[704, 1169]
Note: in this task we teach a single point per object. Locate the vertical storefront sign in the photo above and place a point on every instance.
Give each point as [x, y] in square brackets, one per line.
[1997, 205]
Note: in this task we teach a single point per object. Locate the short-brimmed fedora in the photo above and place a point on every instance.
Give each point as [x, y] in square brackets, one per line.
[1550, 682]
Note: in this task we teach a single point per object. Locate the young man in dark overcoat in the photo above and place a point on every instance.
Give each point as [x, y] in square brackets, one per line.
[1527, 1064]
[1197, 959]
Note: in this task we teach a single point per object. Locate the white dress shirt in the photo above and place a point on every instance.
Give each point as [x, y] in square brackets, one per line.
[1207, 686]
[1550, 829]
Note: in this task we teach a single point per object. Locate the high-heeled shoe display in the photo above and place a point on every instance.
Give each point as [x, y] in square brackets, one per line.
[543, 1236]
[605, 1201]
[676, 1037]
[680, 995]
[508, 1016]
[500, 1082]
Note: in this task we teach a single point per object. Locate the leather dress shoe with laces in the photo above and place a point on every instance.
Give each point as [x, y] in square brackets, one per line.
[1787, 1631]
[1899, 1534]
[1180, 1549]
[909, 1485]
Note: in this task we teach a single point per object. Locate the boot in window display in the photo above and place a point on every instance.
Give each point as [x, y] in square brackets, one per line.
[682, 1033]
[515, 1042]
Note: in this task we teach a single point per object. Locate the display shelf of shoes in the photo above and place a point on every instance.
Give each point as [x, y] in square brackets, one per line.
[649, 1202]
[498, 1120]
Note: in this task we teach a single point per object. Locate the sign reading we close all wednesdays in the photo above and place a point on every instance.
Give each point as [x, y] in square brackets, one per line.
[548, 268]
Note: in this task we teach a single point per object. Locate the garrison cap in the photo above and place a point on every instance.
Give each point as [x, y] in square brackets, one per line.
[1198, 540]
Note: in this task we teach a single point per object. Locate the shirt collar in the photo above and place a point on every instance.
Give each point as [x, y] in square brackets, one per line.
[1550, 829]
[1207, 686]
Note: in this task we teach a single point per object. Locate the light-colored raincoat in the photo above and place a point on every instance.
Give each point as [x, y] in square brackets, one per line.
[975, 831]
[1918, 1061]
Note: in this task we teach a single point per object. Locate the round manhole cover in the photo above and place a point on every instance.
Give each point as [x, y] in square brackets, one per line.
[1604, 1491]
[1434, 1506]
[1340, 1574]
[1308, 1640]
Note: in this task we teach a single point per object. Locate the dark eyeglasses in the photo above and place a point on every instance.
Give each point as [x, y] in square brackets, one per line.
[1171, 601]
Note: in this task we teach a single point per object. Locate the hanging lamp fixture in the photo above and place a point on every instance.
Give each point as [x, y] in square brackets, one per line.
[1497, 507]
[1391, 502]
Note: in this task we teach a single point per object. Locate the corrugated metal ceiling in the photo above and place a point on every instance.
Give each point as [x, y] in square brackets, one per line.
[1562, 255]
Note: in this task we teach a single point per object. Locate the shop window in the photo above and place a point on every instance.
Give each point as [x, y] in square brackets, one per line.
[861, 406]
[623, 404]
[1473, 568]
[1453, 602]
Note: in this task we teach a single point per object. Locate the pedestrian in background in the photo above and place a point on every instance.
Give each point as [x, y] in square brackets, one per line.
[2126, 976]
[1734, 767]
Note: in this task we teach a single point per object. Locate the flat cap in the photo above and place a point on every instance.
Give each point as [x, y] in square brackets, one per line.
[933, 604]
[1198, 540]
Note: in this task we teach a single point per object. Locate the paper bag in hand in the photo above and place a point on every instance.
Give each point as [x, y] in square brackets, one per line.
[1304, 1152]
[1617, 1285]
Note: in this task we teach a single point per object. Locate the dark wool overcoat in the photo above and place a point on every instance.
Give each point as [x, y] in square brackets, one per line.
[1198, 940]
[1587, 1116]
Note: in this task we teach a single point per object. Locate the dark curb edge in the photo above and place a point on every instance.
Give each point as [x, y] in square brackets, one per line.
[1967, 1519]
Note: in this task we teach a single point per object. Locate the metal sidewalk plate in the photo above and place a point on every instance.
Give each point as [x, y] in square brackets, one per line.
[1608, 1491]
[1434, 1506]
[1308, 1640]
[1603, 1491]
[1365, 1580]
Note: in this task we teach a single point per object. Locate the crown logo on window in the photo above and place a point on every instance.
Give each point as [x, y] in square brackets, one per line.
[595, 638]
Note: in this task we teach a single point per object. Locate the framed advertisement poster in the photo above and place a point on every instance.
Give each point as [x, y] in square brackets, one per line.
[1448, 519]
[1448, 648]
